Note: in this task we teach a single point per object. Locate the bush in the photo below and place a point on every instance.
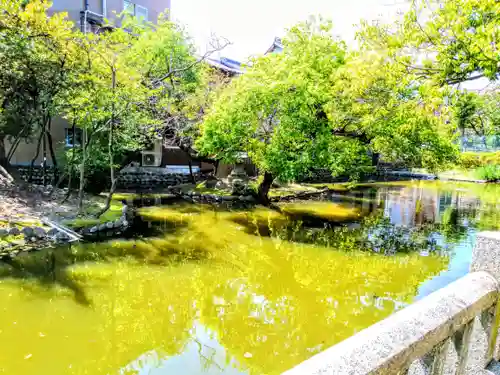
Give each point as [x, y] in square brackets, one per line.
[470, 160]
[489, 172]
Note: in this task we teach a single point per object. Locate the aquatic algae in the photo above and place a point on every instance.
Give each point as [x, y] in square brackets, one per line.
[321, 210]
[268, 301]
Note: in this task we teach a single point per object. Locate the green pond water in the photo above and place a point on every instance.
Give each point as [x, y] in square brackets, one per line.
[204, 291]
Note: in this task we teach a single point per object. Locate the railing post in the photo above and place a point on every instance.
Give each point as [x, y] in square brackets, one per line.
[486, 254]
[486, 257]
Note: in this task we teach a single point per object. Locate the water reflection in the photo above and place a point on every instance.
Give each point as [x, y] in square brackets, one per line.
[237, 292]
[203, 354]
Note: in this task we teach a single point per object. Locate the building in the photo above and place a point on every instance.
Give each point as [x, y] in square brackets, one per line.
[276, 47]
[227, 66]
[89, 16]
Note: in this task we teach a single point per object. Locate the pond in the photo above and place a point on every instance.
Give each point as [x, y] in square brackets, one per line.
[214, 291]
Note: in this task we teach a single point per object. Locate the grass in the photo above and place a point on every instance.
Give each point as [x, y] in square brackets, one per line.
[202, 189]
[488, 172]
[89, 219]
[9, 239]
[20, 223]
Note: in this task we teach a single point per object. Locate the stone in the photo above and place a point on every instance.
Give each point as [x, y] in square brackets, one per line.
[28, 231]
[109, 225]
[14, 231]
[39, 232]
[3, 232]
[94, 229]
[247, 198]
[221, 185]
[52, 232]
[117, 224]
[486, 254]
[238, 187]
[229, 198]
[211, 183]
[102, 227]
[62, 237]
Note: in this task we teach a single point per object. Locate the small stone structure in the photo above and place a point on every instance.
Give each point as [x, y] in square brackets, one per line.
[237, 182]
[452, 331]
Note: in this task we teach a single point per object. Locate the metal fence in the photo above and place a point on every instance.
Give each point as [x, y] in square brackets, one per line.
[480, 143]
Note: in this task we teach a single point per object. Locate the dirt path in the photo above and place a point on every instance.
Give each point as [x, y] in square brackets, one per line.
[31, 202]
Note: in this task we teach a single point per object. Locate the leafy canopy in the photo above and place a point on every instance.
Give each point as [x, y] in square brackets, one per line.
[37, 56]
[450, 41]
[318, 105]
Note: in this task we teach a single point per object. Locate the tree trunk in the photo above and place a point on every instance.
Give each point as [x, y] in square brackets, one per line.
[110, 147]
[44, 155]
[50, 143]
[191, 170]
[82, 171]
[3, 156]
[108, 198]
[4, 162]
[375, 159]
[264, 187]
[40, 139]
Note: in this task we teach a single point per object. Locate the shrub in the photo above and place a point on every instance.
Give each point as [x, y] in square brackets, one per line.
[471, 160]
[489, 172]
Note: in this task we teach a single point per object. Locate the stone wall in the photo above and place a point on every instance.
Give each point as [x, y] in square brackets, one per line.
[150, 178]
[37, 174]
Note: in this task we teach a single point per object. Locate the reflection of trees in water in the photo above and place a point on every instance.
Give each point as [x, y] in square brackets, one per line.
[293, 302]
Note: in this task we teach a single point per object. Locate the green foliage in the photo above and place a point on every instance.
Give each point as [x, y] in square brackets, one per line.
[38, 59]
[135, 85]
[470, 160]
[489, 172]
[461, 34]
[316, 105]
[477, 114]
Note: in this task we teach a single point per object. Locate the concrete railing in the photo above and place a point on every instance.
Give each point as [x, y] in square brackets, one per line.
[451, 331]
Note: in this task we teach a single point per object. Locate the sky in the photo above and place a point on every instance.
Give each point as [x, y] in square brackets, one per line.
[251, 26]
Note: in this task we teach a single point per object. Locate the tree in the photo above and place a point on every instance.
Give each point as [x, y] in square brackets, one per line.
[317, 105]
[477, 114]
[38, 59]
[183, 84]
[450, 41]
[110, 106]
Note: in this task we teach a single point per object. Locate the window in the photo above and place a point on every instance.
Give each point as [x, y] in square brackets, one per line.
[141, 13]
[136, 10]
[128, 7]
[69, 137]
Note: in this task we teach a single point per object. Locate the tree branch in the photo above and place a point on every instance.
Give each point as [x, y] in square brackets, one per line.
[194, 63]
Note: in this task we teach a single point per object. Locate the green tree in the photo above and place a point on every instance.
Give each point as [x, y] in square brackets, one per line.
[450, 41]
[317, 105]
[38, 59]
[477, 114]
[110, 106]
[183, 84]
